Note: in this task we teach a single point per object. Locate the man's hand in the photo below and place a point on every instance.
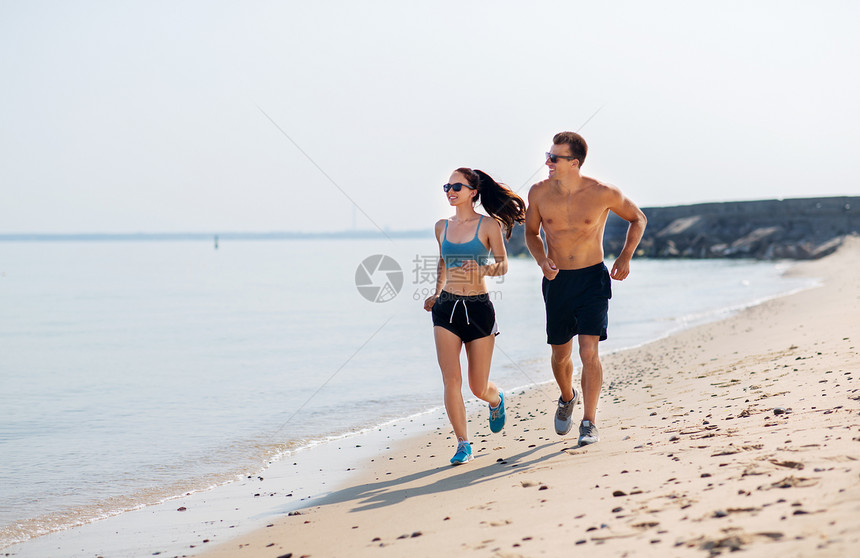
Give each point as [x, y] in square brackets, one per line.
[620, 269]
[549, 269]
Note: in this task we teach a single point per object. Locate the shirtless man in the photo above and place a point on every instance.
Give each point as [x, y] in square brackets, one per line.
[572, 209]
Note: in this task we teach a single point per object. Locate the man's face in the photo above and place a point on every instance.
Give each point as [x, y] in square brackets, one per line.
[561, 167]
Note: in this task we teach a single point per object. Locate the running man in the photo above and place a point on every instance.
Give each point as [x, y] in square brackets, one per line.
[572, 210]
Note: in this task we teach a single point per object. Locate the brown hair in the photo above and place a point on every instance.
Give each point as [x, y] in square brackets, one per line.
[501, 202]
[575, 142]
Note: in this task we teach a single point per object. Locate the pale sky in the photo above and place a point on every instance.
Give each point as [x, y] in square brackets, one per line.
[148, 116]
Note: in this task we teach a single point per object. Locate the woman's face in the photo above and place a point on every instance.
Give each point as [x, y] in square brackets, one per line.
[465, 195]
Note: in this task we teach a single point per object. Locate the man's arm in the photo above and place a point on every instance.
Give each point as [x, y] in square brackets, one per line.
[533, 240]
[630, 212]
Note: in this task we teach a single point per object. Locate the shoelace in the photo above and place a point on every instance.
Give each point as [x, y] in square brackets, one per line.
[496, 412]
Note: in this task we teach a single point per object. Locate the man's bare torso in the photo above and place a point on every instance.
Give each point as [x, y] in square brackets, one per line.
[573, 221]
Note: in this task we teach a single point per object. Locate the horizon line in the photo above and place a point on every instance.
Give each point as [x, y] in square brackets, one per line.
[208, 235]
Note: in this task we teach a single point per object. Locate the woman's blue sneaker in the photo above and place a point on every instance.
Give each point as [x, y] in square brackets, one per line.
[497, 414]
[463, 455]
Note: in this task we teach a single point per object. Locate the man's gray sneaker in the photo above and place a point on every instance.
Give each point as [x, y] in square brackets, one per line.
[588, 433]
[562, 414]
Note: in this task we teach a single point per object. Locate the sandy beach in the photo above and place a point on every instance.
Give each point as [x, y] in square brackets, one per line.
[738, 435]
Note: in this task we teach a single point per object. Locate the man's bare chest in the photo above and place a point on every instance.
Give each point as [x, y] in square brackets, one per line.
[571, 213]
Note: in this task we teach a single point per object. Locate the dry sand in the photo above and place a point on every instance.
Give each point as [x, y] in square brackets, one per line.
[737, 435]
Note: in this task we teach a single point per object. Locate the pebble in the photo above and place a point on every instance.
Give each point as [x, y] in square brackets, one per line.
[779, 411]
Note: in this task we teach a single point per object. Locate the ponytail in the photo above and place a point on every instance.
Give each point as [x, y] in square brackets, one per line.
[501, 202]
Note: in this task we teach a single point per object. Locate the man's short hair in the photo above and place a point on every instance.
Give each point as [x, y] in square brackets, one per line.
[575, 142]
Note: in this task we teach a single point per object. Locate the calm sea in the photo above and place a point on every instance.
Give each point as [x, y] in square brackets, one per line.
[134, 371]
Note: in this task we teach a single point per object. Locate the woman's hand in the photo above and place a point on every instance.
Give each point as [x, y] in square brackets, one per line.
[469, 271]
[428, 304]
[470, 267]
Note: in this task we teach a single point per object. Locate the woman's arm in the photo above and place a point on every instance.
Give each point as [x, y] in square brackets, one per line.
[497, 247]
[441, 270]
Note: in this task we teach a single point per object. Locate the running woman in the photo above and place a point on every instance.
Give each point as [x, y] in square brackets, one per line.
[471, 247]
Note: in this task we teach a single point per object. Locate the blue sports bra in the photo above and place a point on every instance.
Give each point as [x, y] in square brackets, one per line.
[455, 253]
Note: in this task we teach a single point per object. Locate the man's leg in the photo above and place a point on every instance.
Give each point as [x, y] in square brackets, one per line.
[592, 375]
[562, 368]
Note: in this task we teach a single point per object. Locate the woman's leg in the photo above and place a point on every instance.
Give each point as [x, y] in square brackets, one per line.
[480, 354]
[448, 354]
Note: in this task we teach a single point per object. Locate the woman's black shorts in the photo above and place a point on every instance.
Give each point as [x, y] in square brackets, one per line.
[467, 317]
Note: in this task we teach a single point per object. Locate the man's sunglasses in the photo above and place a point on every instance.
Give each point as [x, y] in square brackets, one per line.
[553, 158]
[457, 186]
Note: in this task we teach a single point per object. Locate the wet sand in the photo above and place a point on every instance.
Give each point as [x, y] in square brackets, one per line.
[738, 435]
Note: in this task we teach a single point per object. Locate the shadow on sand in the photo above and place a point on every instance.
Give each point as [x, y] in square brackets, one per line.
[391, 491]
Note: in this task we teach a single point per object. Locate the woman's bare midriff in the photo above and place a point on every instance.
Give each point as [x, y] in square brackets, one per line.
[465, 288]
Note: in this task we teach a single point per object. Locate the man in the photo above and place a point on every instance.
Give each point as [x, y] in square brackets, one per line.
[572, 209]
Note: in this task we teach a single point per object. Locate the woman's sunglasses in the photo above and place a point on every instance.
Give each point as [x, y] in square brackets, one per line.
[457, 186]
[553, 158]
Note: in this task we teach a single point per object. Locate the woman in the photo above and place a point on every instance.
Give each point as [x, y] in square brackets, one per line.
[461, 307]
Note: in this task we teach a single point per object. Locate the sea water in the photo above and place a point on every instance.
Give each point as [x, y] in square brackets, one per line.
[131, 372]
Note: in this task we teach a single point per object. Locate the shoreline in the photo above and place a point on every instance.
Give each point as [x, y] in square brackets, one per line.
[106, 510]
[735, 434]
[179, 524]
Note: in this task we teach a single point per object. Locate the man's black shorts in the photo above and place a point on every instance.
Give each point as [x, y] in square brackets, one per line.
[577, 302]
[467, 317]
